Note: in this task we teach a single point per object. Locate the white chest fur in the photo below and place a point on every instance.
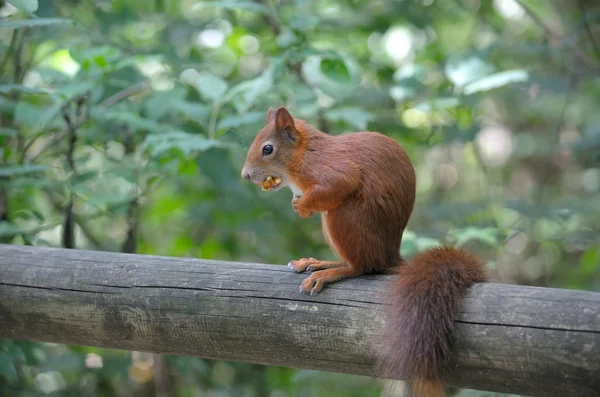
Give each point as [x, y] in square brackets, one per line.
[326, 233]
[296, 190]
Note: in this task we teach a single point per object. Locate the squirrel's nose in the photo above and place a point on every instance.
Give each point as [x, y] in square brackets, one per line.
[245, 174]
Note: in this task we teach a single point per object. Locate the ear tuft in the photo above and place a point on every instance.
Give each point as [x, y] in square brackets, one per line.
[270, 115]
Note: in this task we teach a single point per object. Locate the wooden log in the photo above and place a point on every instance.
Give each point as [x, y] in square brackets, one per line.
[512, 339]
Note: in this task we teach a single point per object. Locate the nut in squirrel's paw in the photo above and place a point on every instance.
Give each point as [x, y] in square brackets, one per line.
[270, 182]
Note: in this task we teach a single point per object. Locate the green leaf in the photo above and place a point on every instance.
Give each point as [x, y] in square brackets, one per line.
[437, 104]
[158, 144]
[30, 214]
[14, 170]
[355, 116]
[85, 177]
[6, 88]
[336, 70]
[235, 5]
[67, 92]
[486, 235]
[100, 57]
[244, 119]
[496, 80]
[109, 199]
[30, 181]
[7, 368]
[412, 244]
[9, 229]
[29, 6]
[130, 119]
[194, 111]
[304, 23]
[33, 22]
[14, 350]
[5, 131]
[209, 86]
[338, 79]
[33, 116]
[465, 69]
[410, 71]
[244, 95]
[160, 103]
[590, 261]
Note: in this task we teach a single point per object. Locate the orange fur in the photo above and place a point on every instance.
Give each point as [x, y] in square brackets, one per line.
[363, 185]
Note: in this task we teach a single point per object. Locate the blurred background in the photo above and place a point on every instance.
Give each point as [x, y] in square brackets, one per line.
[124, 125]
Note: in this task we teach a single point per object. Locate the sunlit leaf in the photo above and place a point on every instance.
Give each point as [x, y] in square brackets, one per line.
[209, 86]
[28, 6]
[413, 244]
[485, 235]
[246, 93]
[437, 104]
[463, 70]
[496, 80]
[355, 116]
[410, 71]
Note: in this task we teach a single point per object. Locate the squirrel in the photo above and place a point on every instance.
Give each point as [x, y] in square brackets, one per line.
[363, 184]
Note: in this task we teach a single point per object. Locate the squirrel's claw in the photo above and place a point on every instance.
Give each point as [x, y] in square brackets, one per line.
[301, 265]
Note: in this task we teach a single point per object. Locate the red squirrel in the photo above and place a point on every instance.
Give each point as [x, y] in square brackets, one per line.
[363, 185]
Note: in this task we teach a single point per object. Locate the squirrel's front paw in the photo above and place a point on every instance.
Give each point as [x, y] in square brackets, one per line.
[301, 265]
[295, 201]
[298, 209]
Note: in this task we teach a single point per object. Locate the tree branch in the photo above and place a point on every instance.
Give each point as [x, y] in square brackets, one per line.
[125, 93]
[577, 53]
[108, 102]
[11, 49]
[588, 29]
[71, 120]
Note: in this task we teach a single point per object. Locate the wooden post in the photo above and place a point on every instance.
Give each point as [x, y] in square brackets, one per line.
[512, 339]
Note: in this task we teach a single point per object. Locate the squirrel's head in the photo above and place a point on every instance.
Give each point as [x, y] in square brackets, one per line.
[274, 150]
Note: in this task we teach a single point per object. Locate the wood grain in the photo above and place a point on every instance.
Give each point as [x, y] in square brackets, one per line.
[512, 339]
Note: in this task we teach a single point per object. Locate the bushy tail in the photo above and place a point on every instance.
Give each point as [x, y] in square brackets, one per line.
[425, 298]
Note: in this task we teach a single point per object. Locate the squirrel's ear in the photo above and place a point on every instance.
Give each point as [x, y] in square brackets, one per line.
[284, 123]
[270, 115]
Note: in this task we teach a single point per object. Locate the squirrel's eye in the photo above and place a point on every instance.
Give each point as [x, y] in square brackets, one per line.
[267, 150]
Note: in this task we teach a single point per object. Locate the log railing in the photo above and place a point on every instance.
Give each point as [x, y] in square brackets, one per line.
[513, 339]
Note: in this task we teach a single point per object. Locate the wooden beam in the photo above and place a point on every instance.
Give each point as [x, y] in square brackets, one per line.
[512, 339]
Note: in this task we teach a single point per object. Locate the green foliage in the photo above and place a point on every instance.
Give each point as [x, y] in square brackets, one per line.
[139, 114]
[27, 6]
